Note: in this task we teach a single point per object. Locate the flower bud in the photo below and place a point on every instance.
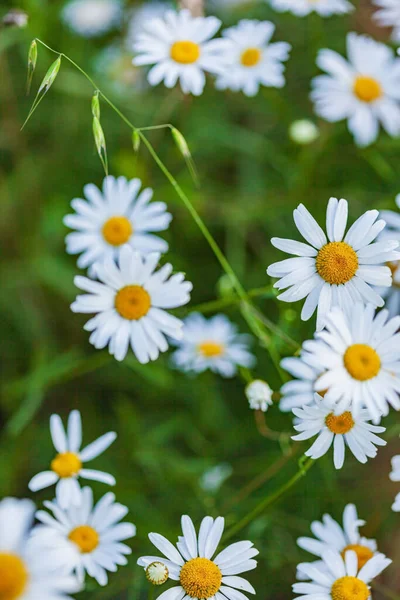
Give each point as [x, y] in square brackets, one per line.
[259, 395]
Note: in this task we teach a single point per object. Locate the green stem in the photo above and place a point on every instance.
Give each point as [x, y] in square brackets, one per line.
[268, 500]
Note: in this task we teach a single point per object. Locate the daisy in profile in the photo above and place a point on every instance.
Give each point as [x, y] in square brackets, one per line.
[118, 214]
[392, 231]
[334, 270]
[395, 476]
[192, 566]
[388, 15]
[92, 18]
[338, 428]
[299, 391]
[360, 354]
[67, 467]
[180, 48]
[251, 60]
[28, 572]
[301, 8]
[330, 535]
[88, 537]
[339, 577]
[212, 344]
[130, 302]
[363, 90]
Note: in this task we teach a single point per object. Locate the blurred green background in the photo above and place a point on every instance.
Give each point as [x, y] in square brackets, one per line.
[172, 430]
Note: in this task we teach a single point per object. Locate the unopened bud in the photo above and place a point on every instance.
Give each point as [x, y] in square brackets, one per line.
[259, 395]
[157, 573]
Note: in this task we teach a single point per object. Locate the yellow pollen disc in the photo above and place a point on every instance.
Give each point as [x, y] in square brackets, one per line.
[117, 230]
[157, 573]
[211, 349]
[362, 362]
[349, 588]
[364, 554]
[200, 578]
[340, 424]
[367, 89]
[185, 52]
[250, 57]
[85, 537]
[66, 464]
[132, 302]
[13, 576]
[336, 262]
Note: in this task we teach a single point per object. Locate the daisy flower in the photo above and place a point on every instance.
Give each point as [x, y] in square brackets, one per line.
[212, 344]
[364, 90]
[334, 271]
[338, 428]
[388, 15]
[395, 476]
[88, 537]
[91, 18]
[259, 395]
[67, 466]
[330, 535]
[251, 60]
[199, 575]
[392, 230]
[26, 571]
[179, 47]
[301, 8]
[360, 354]
[339, 578]
[116, 215]
[130, 302]
[299, 391]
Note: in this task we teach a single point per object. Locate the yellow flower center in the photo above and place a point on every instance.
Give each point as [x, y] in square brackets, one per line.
[250, 57]
[66, 464]
[157, 573]
[13, 576]
[117, 230]
[362, 362]
[340, 424]
[336, 262]
[211, 349]
[367, 89]
[185, 52]
[364, 554]
[85, 537]
[132, 302]
[200, 578]
[349, 588]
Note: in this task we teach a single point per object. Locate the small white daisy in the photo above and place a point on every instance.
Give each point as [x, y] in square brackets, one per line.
[360, 354]
[91, 18]
[201, 576]
[339, 578]
[251, 60]
[340, 428]
[212, 344]
[388, 15]
[301, 390]
[259, 395]
[301, 8]
[67, 466]
[88, 537]
[330, 535]
[337, 271]
[395, 476]
[28, 572]
[130, 300]
[365, 90]
[116, 215]
[392, 231]
[179, 47]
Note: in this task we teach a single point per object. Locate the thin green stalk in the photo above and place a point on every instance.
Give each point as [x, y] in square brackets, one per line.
[271, 499]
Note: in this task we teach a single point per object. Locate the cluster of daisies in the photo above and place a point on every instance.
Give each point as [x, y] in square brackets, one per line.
[73, 536]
